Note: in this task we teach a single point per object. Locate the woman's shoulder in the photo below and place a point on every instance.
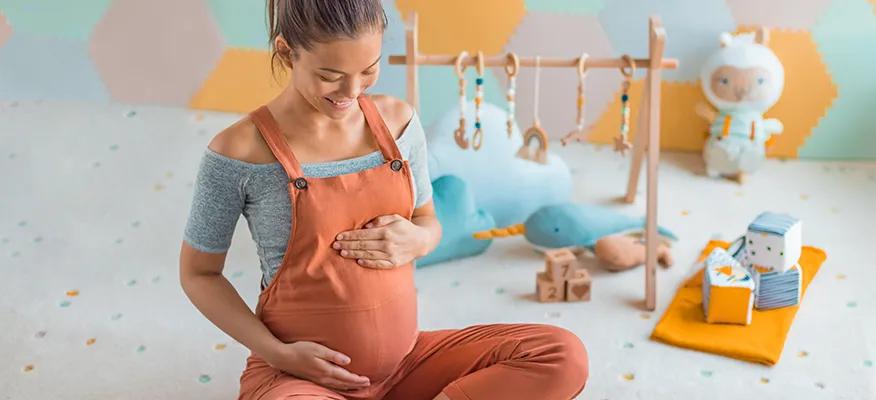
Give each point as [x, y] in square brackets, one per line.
[396, 112]
[241, 141]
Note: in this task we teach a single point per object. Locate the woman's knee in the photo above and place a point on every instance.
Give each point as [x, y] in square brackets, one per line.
[572, 354]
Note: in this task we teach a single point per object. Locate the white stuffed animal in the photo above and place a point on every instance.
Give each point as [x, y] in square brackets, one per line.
[742, 80]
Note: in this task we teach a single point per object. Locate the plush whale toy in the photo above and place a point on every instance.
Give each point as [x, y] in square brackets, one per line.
[599, 229]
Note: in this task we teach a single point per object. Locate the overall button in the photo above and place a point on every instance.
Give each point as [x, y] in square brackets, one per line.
[396, 165]
[300, 183]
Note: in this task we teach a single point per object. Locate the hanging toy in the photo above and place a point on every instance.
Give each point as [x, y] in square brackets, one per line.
[459, 134]
[478, 137]
[621, 143]
[535, 132]
[511, 69]
[578, 133]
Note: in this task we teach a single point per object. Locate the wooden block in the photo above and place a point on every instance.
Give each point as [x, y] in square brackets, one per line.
[560, 264]
[578, 288]
[548, 290]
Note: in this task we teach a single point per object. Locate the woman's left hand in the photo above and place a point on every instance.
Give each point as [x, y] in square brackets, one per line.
[386, 242]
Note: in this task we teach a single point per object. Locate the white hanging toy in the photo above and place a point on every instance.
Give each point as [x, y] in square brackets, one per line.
[535, 132]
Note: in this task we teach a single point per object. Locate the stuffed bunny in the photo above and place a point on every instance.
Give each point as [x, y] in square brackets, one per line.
[742, 80]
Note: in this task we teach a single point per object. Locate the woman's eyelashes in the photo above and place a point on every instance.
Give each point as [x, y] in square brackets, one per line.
[338, 79]
[325, 79]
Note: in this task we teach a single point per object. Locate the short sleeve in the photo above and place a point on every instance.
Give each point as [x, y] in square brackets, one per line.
[418, 160]
[217, 202]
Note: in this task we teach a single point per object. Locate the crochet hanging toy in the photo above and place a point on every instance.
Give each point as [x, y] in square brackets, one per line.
[609, 235]
[742, 80]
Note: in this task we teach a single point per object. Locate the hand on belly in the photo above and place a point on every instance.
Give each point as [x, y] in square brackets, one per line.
[316, 363]
[388, 241]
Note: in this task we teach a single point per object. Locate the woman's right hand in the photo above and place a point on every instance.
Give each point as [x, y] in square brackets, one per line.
[318, 364]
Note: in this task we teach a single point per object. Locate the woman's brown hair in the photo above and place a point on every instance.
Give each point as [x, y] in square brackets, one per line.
[301, 23]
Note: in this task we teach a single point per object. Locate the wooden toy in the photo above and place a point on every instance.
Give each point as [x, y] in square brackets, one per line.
[578, 133]
[535, 132]
[564, 277]
[478, 136]
[459, 134]
[511, 69]
[621, 143]
[646, 142]
[548, 290]
[578, 287]
[560, 264]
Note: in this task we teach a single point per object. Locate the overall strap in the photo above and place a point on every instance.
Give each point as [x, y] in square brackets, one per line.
[382, 135]
[270, 131]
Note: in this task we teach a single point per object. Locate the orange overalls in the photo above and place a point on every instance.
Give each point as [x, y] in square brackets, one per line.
[371, 314]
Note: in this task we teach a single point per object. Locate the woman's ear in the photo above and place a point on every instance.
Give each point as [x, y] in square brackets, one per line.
[283, 51]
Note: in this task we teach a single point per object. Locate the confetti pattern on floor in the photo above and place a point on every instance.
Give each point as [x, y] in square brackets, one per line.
[94, 250]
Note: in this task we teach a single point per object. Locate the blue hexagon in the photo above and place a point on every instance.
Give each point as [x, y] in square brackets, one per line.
[41, 67]
[571, 7]
[59, 18]
[393, 78]
[692, 30]
[846, 29]
[242, 23]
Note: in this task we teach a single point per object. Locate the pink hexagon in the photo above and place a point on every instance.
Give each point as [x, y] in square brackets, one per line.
[550, 35]
[5, 30]
[156, 51]
[778, 13]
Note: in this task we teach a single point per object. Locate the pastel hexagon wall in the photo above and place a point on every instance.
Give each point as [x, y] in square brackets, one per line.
[214, 54]
[843, 36]
[66, 19]
[558, 86]
[148, 55]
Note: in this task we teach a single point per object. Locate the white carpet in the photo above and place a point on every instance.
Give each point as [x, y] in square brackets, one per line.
[94, 199]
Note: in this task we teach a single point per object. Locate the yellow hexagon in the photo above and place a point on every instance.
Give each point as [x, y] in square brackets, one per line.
[450, 26]
[241, 82]
[807, 95]
[809, 90]
[680, 127]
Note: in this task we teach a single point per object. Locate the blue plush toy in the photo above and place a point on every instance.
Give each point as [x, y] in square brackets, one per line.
[506, 186]
[595, 228]
[459, 217]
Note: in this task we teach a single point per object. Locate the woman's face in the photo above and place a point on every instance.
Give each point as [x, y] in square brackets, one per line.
[331, 75]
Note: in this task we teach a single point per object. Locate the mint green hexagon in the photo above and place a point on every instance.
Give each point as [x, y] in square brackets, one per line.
[574, 7]
[60, 18]
[243, 23]
[842, 33]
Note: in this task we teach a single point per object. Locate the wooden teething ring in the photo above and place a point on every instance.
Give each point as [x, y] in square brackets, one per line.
[512, 68]
[631, 64]
[534, 133]
[621, 143]
[578, 132]
[478, 136]
[459, 133]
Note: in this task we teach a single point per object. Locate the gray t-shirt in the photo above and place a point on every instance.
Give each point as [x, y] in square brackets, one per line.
[225, 188]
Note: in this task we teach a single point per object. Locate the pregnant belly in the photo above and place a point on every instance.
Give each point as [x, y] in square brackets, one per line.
[376, 339]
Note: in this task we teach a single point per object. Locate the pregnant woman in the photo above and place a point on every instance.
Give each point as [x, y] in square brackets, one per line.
[334, 187]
